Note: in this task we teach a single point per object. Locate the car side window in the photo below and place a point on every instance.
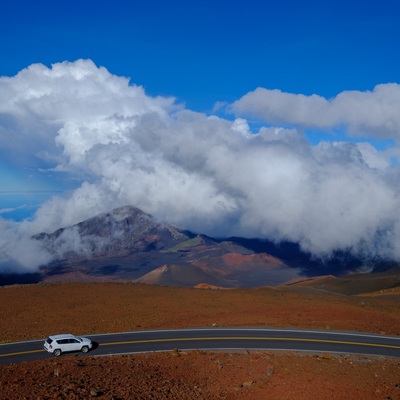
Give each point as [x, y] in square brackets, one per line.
[73, 341]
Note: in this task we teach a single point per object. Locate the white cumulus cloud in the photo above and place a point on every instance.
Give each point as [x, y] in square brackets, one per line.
[200, 172]
[373, 113]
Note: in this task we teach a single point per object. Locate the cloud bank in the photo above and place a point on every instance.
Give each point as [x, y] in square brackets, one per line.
[200, 172]
[371, 113]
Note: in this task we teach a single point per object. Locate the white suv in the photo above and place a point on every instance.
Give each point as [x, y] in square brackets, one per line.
[58, 344]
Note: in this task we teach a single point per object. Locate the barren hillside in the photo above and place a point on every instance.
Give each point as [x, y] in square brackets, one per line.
[35, 311]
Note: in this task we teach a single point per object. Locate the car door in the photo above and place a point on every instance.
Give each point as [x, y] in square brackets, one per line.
[63, 345]
[75, 344]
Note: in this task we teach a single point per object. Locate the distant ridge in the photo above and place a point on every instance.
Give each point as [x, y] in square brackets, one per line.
[350, 284]
[127, 244]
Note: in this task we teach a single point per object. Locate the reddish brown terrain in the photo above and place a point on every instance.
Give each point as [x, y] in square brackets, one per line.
[35, 311]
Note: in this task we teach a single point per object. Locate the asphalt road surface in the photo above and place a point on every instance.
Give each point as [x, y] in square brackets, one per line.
[221, 339]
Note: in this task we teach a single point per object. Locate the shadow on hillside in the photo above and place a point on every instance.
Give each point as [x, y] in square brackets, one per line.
[339, 263]
[20, 279]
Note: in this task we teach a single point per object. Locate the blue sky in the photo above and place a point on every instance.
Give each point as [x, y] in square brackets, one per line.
[208, 51]
[315, 85]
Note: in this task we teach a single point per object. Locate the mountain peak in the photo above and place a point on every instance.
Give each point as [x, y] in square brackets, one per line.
[124, 212]
[123, 230]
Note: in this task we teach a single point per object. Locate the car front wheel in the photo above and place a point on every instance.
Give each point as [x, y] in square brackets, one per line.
[57, 352]
[85, 349]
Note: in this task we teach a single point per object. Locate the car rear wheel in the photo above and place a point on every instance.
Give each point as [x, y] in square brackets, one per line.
[57, 352]
[85, 349]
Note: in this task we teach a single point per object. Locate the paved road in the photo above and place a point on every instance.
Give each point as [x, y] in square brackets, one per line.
[217, 339]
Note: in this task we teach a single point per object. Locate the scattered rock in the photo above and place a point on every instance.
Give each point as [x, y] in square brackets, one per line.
[200, 376]
[270, 370]
[175, 352]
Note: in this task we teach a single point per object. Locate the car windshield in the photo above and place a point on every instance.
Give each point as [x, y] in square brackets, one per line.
[49, 341]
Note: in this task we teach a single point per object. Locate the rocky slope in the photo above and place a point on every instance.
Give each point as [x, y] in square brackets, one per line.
[204, 375]
[128, 244]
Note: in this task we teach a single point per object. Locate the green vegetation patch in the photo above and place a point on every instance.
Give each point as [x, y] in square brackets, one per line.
[187, 244]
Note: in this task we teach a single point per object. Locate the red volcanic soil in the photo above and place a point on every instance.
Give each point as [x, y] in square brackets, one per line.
[239, 260]
[36, 311]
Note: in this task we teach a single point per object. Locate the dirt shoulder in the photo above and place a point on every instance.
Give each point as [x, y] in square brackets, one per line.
[36, 311]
